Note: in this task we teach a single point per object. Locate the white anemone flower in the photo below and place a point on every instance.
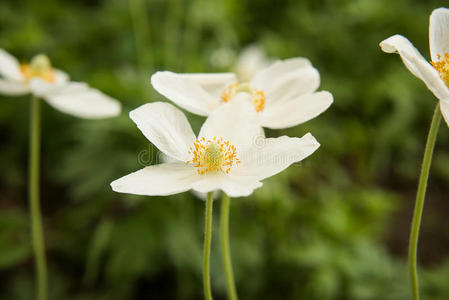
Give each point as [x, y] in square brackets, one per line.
[282, 95]
[229, 153]
[436, 73]
[42, 80]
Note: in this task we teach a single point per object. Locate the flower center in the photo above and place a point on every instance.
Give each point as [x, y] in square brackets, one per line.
[258, 96]
[213, 155]
[442, 66]
[40, 67]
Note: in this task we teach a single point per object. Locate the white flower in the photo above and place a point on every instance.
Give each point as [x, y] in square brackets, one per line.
[251, 60]
[436, 73]
[283, 95]
[39, 78]
[229, 153]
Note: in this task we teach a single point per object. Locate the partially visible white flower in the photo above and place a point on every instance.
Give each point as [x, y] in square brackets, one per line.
[282, 95]
[228, 154]
[53, 85]
[251, 60]
[222, 58]
[436, 73]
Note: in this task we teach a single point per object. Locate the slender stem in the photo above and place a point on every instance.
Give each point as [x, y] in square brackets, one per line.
[36, 219]
[207, 242]
[225, 249]
[420, 195]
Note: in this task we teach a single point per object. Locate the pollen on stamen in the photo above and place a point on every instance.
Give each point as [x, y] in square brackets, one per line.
[229, 92]
[259, 100]
[442, 66]
[213, 155]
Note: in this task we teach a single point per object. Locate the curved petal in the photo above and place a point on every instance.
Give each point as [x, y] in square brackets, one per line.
[279, 68]
[234, 121]
[214, 83]
[60, 77]
[77, 99]
[166, 127]
[9, 66]
[439, 33]
[279, 87]
[232, 186]
[273, 155]
[252, 60]
[158, 180]
[416, 64]
[444, 106]
[184, 92]
[13, 88]
[295, 111]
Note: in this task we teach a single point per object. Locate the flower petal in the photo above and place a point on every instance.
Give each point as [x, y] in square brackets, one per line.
[416, 64]
[9, 66]
[233, 121]
[166, 127]
[232, 186]
[295, 111]
[184, 92]
[60, 77]
[252, 60]
[287, 79]
[273, 155]
[439, 33]
[13, 88]
[158, 180]
[77, 99]
[213, 83]
[444, 107]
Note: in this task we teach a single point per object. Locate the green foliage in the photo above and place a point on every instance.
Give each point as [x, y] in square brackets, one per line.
[334, 227]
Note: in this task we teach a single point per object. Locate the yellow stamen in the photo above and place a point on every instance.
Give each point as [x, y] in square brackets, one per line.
[258, 96]
[40, 67]
[442, 66]
[213, 155]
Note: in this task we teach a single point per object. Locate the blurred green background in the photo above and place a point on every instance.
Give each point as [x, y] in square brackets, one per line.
[334, 227]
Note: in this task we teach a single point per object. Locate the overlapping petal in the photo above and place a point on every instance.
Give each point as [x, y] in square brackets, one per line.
[213, 83]
[185, 92]
[417, 64]
[158, 180]
[439, 33]
[13, 88]
[295, 111]
[166, 127]
[233, 186]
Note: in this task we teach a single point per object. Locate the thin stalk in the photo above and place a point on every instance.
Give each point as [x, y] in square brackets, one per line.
[207, 243]
[35, 211]
[420, 195]
[225, 249]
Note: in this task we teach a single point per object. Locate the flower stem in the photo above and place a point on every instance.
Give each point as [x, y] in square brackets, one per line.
[420, 195]
[207, 242]
[225, 249]
[36, 219]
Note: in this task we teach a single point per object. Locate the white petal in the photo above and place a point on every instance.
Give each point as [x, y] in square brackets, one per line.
[233, 121]
[273, 155]
[61, 77]
[444, 106]
[282, 83]
[184, 92]
[232, 186]
[439, 33]
[9, 66]
[13, 88]
[278, 68]
[213, 83]
[295, 111]
[251, 60]
[416, 64]
[166, 127]
[158, 180]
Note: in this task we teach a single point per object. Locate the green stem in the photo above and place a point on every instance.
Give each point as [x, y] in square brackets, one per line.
[420, 195]
[225, 249]
[35, 211]
[207, 242]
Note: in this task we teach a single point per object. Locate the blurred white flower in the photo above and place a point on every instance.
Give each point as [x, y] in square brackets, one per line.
[436, 73]
[229, 153]
[251, 60]
[282, 95]
[41, 79]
